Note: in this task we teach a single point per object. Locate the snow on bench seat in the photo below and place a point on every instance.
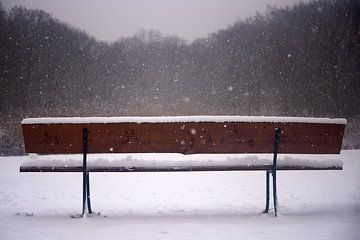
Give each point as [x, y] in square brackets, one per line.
[178, 162]
[180, 119]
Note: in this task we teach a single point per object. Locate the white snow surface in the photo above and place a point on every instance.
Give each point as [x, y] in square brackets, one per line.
[171, 119]
[179, 160]
[182, 205]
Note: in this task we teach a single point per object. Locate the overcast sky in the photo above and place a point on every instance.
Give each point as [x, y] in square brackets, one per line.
[111, 19]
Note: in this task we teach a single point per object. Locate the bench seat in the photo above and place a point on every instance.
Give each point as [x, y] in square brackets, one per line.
[179, 162]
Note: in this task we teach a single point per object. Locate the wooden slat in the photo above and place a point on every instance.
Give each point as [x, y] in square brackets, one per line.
[186, 138]
[172, 169]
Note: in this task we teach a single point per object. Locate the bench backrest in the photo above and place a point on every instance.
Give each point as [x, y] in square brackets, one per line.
[188, 135]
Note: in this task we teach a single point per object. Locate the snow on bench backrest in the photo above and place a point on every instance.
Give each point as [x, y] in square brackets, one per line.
[183, 134]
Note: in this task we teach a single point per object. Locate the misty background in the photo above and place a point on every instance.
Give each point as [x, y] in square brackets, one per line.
[301, 60]
[108, 20]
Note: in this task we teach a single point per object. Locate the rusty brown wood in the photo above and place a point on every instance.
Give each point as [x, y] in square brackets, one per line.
[186, 138]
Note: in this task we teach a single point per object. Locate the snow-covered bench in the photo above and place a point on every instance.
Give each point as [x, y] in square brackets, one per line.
[258, 139]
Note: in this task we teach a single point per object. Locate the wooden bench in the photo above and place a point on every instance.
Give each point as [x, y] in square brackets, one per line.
[186, 135]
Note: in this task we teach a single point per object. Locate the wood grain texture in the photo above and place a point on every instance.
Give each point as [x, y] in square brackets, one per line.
[186, 138]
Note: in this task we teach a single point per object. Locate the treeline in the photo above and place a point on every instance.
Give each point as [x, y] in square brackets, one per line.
[299, 61]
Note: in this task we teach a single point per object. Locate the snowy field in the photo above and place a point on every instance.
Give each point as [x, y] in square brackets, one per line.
[190, 205]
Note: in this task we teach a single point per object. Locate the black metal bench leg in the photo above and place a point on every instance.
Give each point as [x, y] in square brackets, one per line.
[84, 197]
[274, 193]
[88, 192]
[274, 167]
[273, 173]
[86, 178]
[266, 210]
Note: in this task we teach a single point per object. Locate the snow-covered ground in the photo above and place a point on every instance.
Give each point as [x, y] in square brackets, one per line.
[186, 205]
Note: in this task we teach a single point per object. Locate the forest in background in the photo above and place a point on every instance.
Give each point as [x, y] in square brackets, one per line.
[296, 61]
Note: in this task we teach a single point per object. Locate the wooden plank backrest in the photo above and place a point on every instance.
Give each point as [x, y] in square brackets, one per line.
[184, 137]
